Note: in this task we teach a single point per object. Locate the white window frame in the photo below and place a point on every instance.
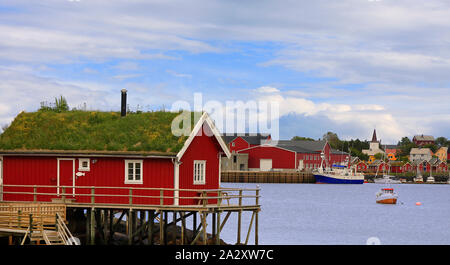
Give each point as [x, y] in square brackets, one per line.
[134, 181]
[199, 172]
[80, 164]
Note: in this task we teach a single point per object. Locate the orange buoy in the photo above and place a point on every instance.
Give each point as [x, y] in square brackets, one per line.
[418, 203]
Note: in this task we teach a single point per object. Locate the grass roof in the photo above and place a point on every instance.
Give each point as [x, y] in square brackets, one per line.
[93, 130]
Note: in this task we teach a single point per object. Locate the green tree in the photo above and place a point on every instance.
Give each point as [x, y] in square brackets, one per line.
[300, 138]
[441, 141]
[333, 140]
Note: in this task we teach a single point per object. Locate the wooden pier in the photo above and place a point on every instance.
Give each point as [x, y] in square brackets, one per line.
[267, 177]
[97, 222]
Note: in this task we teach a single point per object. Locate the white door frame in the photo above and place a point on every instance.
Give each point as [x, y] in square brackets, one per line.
[73, 175]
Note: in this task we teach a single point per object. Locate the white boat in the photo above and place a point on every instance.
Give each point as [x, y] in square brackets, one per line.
[386, 196]
[418, 178]
[430, 179]
[387, 179]
[338, 174]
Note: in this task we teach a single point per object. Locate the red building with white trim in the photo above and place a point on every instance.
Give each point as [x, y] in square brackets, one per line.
[77, 173]
[292, 155]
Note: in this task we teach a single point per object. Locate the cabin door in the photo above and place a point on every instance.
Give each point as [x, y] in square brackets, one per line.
[66, 177]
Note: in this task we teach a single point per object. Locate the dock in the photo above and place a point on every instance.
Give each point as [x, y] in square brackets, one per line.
[267, 177]
[144, 222]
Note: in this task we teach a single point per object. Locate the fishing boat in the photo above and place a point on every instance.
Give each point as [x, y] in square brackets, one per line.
[386, 196]
[337, 174]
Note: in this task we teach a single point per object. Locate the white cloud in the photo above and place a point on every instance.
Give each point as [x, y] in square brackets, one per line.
[178, 74]
[267, 89]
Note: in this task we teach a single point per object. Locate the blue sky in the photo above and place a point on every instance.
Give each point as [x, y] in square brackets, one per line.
[344, 66]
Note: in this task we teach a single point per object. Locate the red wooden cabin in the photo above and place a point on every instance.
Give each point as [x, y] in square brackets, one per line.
[116, 177]
[361, 166]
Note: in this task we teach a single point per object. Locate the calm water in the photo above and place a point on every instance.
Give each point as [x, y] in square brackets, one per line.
[313, 214]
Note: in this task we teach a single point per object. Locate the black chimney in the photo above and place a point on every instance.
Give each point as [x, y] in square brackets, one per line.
[123, 107]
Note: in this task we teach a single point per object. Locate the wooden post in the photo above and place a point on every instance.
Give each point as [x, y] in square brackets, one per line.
[151, 220]
[161, 228]
[31, 225]
[161, 197]
[256, 215]
[165, 228]
[204, 227]
[130, 226]
[130, 199]
[174, 225]
[34, 193]
[88, 225]
[64, 194]
[218, 228]
[92, 227]
[239, 218]
[213, 227]
[183, 227]
[205, 201]
[249, 228]
[111, 221]
[92, 195]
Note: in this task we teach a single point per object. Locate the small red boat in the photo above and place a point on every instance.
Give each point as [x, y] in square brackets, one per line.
[386, 196]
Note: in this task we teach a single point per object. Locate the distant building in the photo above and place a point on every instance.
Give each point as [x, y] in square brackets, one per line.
[421, 140]
[442, 153]
[239, 141]
[420, 154]
[374, 147]
[391, 152]
[237, 162]
[287, 155]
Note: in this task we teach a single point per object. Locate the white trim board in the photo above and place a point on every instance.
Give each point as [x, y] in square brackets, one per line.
[204, 118]
[57, 176]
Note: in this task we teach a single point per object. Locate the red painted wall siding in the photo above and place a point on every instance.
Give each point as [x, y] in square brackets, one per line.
[239, 144]
[280, 158]
[28, 171]
[206, 148]
[106, 172]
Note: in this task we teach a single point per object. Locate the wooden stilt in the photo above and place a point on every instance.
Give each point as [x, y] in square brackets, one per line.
[165, 228]
[92, 228]
[239, 227]
[151, 219]
[218, 229]
[249, 228]
[161, 228]
[130, 226]
[174, 225]
[183, 227]
[204, 215]
[213, 222]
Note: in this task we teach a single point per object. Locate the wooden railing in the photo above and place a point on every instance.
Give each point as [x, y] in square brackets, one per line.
[63, 231]
[222, 197]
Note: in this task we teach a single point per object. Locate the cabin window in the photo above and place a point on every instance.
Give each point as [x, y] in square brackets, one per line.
[199, 171]
[84, 164]
[133, 172]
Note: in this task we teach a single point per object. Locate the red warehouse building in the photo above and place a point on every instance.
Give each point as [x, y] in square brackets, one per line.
[239, 141]
[292, 155]
[79, 153]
